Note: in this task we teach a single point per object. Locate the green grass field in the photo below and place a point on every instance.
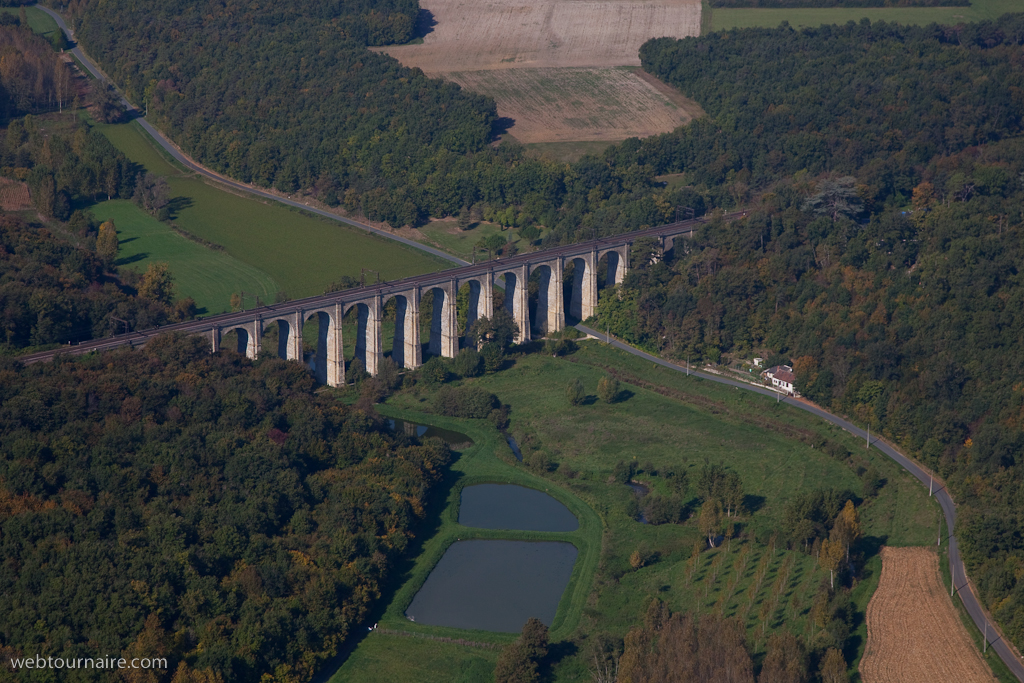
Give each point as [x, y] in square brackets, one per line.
[722, 19]
[38, 20]
[208, 276]
[301, 253]
[445, 235]
[649, 427]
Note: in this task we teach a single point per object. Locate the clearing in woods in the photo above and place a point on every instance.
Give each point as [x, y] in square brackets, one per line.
[914, 633]
[581, 104]
[551, 66]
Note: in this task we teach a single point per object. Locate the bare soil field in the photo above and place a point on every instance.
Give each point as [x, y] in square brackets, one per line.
[579, 104]
[470, 35]
[14, 196]
[914, 633]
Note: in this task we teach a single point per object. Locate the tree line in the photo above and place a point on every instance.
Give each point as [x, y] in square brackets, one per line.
[204, 508]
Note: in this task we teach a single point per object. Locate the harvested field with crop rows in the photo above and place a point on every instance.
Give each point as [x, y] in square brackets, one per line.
[555, 105]
[914, 633]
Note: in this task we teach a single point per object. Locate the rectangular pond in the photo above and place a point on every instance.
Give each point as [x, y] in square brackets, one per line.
[495, 585]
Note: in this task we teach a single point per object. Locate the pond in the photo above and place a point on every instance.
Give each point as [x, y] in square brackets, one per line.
[515, 447]
[506, 506]
[494, 585]
[422, 430]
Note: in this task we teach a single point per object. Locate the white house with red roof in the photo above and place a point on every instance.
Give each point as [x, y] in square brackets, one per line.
[781, 378]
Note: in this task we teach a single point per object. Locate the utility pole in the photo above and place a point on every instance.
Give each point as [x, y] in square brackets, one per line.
[867, 444]
[124, 322]
[984, 649]
[939, 541]
[930, 482]
[687, 366]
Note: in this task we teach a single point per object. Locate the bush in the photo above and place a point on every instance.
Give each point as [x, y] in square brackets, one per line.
[560, 347]
[566, 470]
[494, 356]
[464, 402]
[499, 417]
[539, 461]
[435, 371]
[357, 371]
[663, 509]
[468, 363]
[574, 392]
[623, 472]
[608, 389]
[387, 375]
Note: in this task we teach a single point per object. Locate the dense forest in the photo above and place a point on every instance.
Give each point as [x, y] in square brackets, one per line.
[169, 502]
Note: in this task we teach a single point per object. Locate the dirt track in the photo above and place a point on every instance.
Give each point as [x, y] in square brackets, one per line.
[914, 632]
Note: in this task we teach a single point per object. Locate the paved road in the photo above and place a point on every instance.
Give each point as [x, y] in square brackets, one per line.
[193, 166]
[956, 565]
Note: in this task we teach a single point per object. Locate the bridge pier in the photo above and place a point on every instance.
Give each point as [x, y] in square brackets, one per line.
[405, 349]
[517, 301]
[550, 298]
[335, 348]
[583, 301]
[214, 340]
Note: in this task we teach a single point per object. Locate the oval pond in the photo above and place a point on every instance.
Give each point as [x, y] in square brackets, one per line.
[507, 506]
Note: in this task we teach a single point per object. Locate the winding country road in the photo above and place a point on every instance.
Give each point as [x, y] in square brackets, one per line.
[188, 163]
[956, 565]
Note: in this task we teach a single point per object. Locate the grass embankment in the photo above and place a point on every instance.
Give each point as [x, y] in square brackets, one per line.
[422, 658]
[747, 433]
[39, 21]
[299, 253]
[979, 10]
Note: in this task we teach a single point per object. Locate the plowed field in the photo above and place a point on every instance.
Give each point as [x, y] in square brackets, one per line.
[555, 105]
[14, 195]
[914, 633]
[502, 34]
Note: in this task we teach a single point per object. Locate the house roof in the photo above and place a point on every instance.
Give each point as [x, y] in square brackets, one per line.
[783, 373]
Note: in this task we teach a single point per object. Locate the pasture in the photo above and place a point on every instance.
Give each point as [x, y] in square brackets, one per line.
[914, 633]
[724, 19]
[299, 252]
[38, 20]
[208, 276]
[581, 104]
[654, 431]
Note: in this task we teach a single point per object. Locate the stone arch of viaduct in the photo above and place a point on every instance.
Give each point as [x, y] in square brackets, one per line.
[513, 275]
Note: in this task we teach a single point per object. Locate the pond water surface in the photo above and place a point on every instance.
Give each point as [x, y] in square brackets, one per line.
[422, 430]
[506, 506]
[494, 585]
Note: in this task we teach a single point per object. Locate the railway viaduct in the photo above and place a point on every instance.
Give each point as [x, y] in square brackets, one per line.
[512, 274]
